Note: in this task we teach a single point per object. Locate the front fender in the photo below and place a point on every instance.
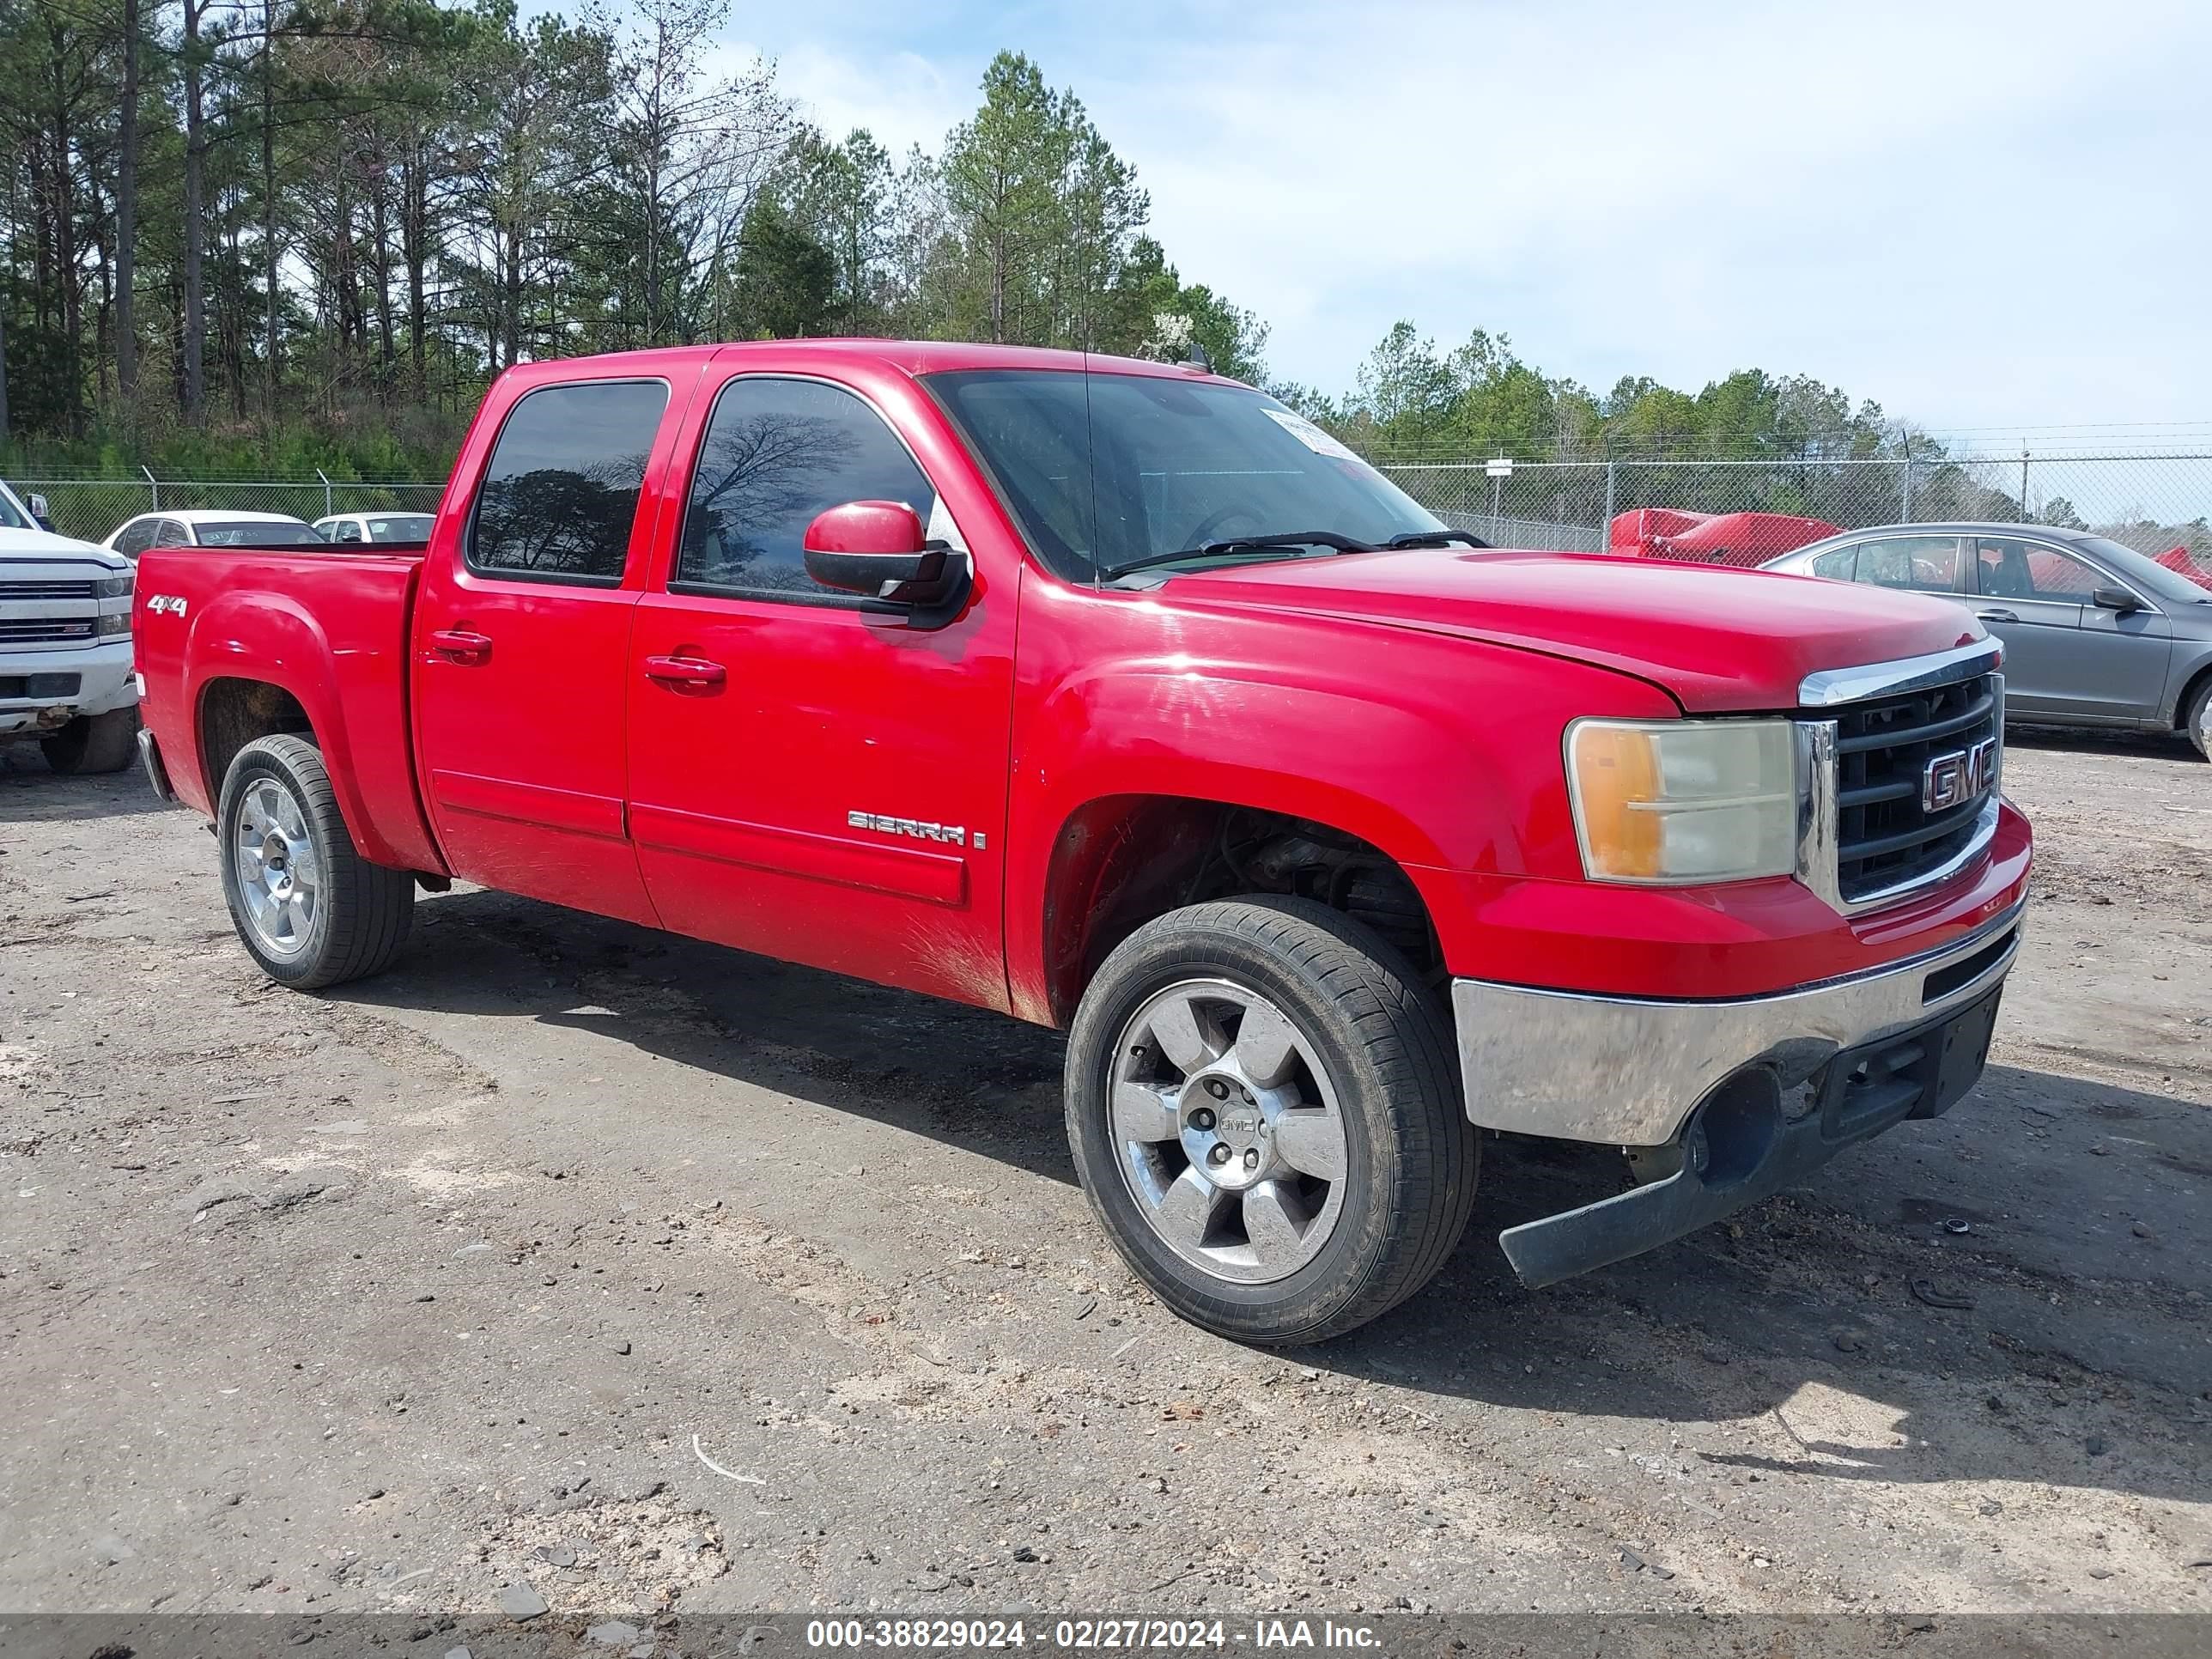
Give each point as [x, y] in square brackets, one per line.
[2191, 659]
[1443, 753]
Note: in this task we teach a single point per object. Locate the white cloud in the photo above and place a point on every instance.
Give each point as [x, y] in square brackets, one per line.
[1975, 212]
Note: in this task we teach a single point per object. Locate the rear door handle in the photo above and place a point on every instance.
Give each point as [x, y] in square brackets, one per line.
[685, 673]
[461, 645]
[1995, 616]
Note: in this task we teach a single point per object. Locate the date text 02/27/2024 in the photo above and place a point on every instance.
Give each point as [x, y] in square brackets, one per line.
[1087, 1635]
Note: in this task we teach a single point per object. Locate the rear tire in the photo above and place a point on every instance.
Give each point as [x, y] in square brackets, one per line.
[2196, 718]
[307, 907]
[1262, 1104]
[93, 743]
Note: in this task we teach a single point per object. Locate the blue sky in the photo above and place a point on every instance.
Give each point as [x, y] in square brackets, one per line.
[1983, 216]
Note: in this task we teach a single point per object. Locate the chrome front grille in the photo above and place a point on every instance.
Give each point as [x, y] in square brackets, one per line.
[1902, 762]
[1888, 834]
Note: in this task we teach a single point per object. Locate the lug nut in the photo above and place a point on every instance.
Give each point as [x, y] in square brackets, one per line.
[1219, 1154]
[1252, 1159]
[1217, 1088]
[1201, 1119]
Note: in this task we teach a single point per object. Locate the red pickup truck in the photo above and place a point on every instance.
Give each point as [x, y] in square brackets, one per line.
[1116, 697]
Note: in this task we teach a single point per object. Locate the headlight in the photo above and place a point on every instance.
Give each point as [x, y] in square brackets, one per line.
[114, 623]
[1670, 802]
[114, 587]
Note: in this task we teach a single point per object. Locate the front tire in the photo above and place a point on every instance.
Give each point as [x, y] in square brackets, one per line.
[93, 743]
[2196, 719]
[307, 907]
[1262, 1104]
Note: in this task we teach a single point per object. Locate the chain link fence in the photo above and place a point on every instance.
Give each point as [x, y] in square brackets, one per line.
[90, 508]
[2153, 502]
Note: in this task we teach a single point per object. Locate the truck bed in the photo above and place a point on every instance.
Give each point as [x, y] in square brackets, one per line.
[329, 626]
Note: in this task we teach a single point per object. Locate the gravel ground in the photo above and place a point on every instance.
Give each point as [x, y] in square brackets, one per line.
[574, 1259]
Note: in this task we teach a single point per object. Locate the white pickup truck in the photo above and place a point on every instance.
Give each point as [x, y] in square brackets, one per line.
[66, 668]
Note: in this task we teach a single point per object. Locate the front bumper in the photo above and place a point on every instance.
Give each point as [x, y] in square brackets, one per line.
[1628, 1071]
[1746, 1096]
[32, 700]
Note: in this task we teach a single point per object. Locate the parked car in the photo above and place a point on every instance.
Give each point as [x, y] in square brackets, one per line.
[1033, 680]
[65, 676]
[2095, 633]
[375, 527]
[210, 527]
[1744, 538]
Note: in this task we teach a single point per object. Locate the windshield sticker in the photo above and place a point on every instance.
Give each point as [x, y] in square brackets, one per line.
[1308, 435]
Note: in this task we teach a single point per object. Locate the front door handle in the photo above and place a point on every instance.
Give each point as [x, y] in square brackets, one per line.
[1995, 616]
[461, 645]
[686, 673]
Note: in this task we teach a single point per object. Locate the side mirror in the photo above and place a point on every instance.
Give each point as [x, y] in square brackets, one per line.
[40, 511]
[2115, 598]
[880, 549]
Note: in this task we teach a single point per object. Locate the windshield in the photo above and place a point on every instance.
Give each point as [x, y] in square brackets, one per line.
[257, 532]
[2145, 573]
[1106, 470]
[401, 527]
[12, 516]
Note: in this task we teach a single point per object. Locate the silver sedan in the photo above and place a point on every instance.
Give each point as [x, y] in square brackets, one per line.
[2095, 633]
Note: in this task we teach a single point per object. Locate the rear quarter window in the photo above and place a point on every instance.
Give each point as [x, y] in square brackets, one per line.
[560, 492]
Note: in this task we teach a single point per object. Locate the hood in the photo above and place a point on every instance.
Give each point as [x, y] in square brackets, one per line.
[17, 545]
[1717, 638]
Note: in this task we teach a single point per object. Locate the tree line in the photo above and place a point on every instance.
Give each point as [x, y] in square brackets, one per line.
[264, 232]
[267, 235]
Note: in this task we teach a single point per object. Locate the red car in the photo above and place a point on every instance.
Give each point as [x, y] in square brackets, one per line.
[1739, 539]
[1115, 696]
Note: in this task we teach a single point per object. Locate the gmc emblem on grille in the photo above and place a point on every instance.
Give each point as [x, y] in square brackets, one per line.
[1953, 780]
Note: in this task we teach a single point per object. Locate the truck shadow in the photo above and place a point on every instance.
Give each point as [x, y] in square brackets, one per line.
[32, 792]
[1832, 1311]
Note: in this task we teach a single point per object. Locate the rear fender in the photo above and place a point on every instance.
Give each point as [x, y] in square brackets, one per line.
[256, 634]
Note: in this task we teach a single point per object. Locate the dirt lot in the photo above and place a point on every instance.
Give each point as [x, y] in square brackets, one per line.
[573, 1256]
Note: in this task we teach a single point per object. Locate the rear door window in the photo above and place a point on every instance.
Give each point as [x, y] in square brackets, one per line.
[560, 492]
[1925, 564]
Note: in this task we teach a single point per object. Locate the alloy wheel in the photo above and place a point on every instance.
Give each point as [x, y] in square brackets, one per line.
[1228, 1129]
[279, 880]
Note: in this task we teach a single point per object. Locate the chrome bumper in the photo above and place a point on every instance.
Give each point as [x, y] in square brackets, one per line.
[157, 775]
[1628, 1072]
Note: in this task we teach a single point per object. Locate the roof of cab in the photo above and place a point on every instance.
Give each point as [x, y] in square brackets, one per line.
[913, 357]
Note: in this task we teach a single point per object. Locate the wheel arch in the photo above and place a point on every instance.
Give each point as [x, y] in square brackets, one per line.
[2199, 677]
[1118, 861]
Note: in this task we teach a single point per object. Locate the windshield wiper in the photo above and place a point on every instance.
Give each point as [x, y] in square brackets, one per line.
[1436, 538]
[1327, 538]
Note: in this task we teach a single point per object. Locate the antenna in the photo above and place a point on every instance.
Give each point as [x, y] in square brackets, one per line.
[1196, 357]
